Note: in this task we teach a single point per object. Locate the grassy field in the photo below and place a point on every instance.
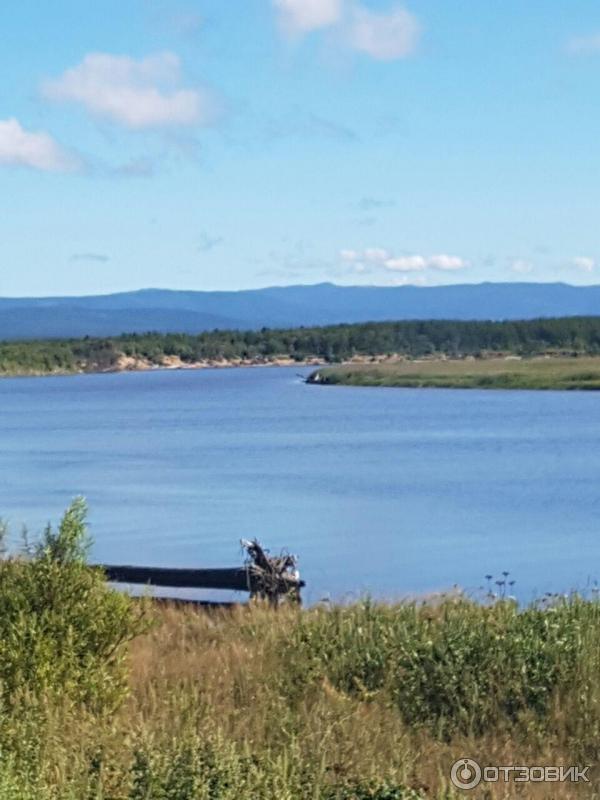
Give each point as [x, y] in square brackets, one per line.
[105, 698]
[535, 373]
[363, 702]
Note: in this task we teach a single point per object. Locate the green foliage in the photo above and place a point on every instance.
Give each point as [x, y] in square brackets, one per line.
[334, 343]
[461, 669]
[372, 791]
[62, 629]
[256, 705]
[363, 702]
[200, 768]
[70, 543]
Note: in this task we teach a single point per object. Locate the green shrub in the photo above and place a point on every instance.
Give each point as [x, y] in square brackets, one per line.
[459, 668]
[201, 769]
[62, 629]
[371, 791]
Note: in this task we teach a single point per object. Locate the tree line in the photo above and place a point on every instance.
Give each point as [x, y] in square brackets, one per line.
[412, 338]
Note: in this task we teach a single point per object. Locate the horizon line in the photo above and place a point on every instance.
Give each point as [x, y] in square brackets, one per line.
[270, 287]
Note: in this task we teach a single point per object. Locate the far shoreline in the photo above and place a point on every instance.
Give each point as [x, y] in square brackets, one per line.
[492, 372]
[169, 367]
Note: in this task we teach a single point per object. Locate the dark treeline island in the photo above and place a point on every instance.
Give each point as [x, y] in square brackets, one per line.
[411, 339]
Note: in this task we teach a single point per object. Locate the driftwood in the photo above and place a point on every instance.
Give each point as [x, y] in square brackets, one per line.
[272, 578]
[264, 576]
[234, 578]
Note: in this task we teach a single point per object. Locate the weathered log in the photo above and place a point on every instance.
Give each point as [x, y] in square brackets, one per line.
[273, 578]
[240, 579]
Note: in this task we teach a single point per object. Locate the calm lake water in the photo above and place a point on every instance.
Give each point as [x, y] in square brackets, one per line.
[386, 491]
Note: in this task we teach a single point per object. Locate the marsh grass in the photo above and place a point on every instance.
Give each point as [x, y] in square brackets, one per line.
[367, 701]
[100, 702]
[494, 373]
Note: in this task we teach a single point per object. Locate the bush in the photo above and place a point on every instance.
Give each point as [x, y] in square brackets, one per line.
[460, 668]
[199, 769]
[62, 629]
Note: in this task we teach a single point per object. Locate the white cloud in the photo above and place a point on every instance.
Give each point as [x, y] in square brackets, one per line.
[379, 257]
[406, 263]
[36, 150]
[385, 36]
[584, 45]
[521, 266]
[145, 93]
[446, 262]
[376, 255]
[303, 16]
[417, 262]
[408, 280]
[584, 263]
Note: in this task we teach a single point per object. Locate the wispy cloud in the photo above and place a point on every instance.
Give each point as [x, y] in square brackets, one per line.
[521, 266]
[181, 19]
[302, 16]
[373, 203]
[382, 35]
[141, 167]
[139, 94]
[408, 280]
[380, 257]
[385, 36]
[583, 45]
[298, 124]
[100, 258]
[208, 242]
[186, 22]
[584, 263]
[327, 128]
[37, 150]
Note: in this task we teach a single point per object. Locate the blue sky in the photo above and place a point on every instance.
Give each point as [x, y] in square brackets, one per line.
[241, 143]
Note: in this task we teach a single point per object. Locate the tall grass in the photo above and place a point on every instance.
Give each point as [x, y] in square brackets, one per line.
[332, 703]
[557, 373]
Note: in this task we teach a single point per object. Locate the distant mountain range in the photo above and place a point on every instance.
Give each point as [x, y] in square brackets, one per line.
[163, 310]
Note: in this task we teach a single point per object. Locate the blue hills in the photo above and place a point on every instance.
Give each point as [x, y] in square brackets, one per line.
[164, 310]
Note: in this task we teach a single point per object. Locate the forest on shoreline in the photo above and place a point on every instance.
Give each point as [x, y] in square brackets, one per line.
[331, 344]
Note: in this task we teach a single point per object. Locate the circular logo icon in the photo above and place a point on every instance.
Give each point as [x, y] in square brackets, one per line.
[465, 773]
